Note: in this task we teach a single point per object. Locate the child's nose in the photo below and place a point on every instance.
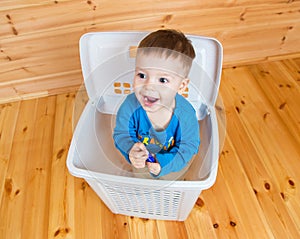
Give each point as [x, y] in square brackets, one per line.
[150, 83]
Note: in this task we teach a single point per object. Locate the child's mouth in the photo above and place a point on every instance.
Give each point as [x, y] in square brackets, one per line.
[149, 101]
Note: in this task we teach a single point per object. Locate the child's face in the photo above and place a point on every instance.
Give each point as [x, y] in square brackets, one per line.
[157, 80]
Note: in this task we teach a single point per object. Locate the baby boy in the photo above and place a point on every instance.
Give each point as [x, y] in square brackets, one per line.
[156, 127]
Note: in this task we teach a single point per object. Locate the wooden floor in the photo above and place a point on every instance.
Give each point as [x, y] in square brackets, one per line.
[256, 194]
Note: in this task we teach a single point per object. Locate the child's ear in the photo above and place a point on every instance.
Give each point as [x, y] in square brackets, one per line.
[183, 86]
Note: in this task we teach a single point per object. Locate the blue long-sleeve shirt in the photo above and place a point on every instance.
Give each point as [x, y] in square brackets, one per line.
[173, 147]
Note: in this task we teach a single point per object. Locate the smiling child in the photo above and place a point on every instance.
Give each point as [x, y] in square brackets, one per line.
[156, 120]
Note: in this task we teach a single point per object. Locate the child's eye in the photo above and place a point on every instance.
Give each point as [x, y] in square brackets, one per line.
[141, 75]
[163, 80]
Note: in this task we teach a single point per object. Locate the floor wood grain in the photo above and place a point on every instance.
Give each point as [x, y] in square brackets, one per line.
[256, 194]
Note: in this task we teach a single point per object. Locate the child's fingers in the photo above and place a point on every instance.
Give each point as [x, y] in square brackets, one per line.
[139, 151]
[138, 155]
[141, 154]
[139, 147]
[138, 164]
[154, 168]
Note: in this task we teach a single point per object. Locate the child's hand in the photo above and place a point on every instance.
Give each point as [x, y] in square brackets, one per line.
[154, 168]
[138, 155]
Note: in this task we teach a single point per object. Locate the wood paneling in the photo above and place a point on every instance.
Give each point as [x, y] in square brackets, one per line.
[256, 193]
[39, 39]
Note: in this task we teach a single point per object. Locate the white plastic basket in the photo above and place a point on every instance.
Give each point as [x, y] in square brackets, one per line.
[107, 67]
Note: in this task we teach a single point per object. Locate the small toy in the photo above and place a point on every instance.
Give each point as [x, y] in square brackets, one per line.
[150, 159]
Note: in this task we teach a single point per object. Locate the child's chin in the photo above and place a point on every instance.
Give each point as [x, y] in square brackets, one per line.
[151, 109]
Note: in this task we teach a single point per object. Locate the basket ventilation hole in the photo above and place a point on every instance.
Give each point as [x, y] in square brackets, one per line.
[125, 89]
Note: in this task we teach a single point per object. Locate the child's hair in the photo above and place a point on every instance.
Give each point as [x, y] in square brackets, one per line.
[169, 42]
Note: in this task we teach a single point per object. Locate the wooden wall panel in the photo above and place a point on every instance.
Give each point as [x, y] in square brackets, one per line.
[39, 39]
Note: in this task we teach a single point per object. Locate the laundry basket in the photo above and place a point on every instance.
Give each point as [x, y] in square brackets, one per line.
[108, 62]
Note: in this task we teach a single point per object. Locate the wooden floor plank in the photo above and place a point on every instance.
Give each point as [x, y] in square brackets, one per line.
[293, 68]
[86, 208]
[38, 171]
[113, 226]
[14, 196]
[61, 204]
[171, 229]
[199, 223]
[122, 230]
[143, 226]
[8, 113]
[297, 61]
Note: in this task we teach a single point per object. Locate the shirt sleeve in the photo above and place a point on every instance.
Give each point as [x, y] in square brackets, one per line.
[186, 144]
[125, 130]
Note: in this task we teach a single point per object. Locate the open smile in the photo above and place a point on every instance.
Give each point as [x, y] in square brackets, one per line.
[149, 101]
